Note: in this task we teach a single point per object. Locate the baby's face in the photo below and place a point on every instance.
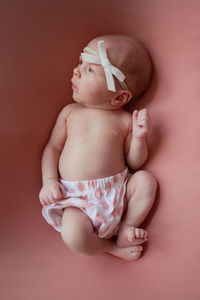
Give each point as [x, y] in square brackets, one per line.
[89, 84]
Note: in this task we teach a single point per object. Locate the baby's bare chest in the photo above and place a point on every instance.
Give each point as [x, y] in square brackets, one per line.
[95, 125]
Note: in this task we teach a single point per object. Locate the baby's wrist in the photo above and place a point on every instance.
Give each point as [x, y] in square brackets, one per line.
[49, 179]
[140, 138]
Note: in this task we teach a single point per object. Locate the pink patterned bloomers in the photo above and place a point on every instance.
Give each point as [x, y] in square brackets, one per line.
[102, 200]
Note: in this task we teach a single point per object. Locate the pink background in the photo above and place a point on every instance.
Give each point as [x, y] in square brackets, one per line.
[40, 44]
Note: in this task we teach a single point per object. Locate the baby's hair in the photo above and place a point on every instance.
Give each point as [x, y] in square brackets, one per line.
[135, 62]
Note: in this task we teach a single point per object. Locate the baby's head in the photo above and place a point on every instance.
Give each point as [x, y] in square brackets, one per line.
[127, 58]
[130, 57]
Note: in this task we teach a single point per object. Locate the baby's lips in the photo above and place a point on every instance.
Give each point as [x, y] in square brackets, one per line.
[74, 88]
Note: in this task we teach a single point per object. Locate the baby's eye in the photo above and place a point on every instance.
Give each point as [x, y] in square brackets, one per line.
[91, 70]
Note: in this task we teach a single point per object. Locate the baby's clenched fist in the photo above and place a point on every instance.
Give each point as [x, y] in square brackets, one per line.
[51, 192]
[141, 123]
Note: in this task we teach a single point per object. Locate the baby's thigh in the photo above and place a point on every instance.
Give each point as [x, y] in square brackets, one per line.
[76, 226]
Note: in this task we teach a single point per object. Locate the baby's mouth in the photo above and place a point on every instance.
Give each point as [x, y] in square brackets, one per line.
[74, 87]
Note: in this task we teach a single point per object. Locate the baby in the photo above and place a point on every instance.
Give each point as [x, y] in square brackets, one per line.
[88, 194]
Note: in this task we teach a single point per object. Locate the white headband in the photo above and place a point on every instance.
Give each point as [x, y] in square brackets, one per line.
[102, 59]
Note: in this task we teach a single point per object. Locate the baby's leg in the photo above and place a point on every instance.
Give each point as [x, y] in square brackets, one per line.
[141, 191]
[77, 232]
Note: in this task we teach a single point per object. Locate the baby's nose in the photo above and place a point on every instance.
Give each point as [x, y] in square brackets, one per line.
[77, 72]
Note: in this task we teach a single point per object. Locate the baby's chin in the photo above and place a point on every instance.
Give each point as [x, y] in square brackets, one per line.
[76, 98]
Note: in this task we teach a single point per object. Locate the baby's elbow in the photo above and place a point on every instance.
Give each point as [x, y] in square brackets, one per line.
[134, 166]
[136, 163]
[52, 148]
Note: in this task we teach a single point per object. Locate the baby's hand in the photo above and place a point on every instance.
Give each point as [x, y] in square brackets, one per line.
[141, 123]
[51, 192]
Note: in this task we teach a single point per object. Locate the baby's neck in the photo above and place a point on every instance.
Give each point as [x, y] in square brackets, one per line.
[104, 108]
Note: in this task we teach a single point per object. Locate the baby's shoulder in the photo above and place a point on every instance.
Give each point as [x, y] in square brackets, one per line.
[68, 109]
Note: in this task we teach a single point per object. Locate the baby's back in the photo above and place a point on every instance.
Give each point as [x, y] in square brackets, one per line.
[95, 144]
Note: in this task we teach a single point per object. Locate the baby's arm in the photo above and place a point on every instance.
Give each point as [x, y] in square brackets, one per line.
[52, 190]
[137, 150]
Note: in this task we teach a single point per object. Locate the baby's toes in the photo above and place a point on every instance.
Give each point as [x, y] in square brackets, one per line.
[131, 234]
[145, 234]
[136, 253]
[140, 233]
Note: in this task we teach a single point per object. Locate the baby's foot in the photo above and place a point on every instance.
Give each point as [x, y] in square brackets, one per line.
[129, 253]
[129, 236]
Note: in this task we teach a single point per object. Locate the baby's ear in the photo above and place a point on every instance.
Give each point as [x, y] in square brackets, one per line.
[122, 97]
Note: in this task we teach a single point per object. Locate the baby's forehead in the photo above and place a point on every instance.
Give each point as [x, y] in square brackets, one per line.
[92, 45]
[117, 52]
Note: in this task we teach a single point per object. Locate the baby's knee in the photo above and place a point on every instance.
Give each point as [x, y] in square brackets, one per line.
[146, 181]
[76, 229]
[75, 238]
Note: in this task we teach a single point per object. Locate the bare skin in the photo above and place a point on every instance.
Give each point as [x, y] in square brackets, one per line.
[85, 240]
[95, 138]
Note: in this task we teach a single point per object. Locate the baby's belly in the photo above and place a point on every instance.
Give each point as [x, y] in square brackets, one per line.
[90, 162]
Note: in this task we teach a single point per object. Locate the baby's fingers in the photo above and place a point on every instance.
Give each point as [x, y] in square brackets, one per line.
[144, 118]
[45, 201]
[135, 116]
[63, 191]
[56, 195]
[143, 122]
[143, 114]
[59, 192]
[42, 198]
[143, 111]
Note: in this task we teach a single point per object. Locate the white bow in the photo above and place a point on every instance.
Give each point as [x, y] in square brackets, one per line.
[109, 69]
